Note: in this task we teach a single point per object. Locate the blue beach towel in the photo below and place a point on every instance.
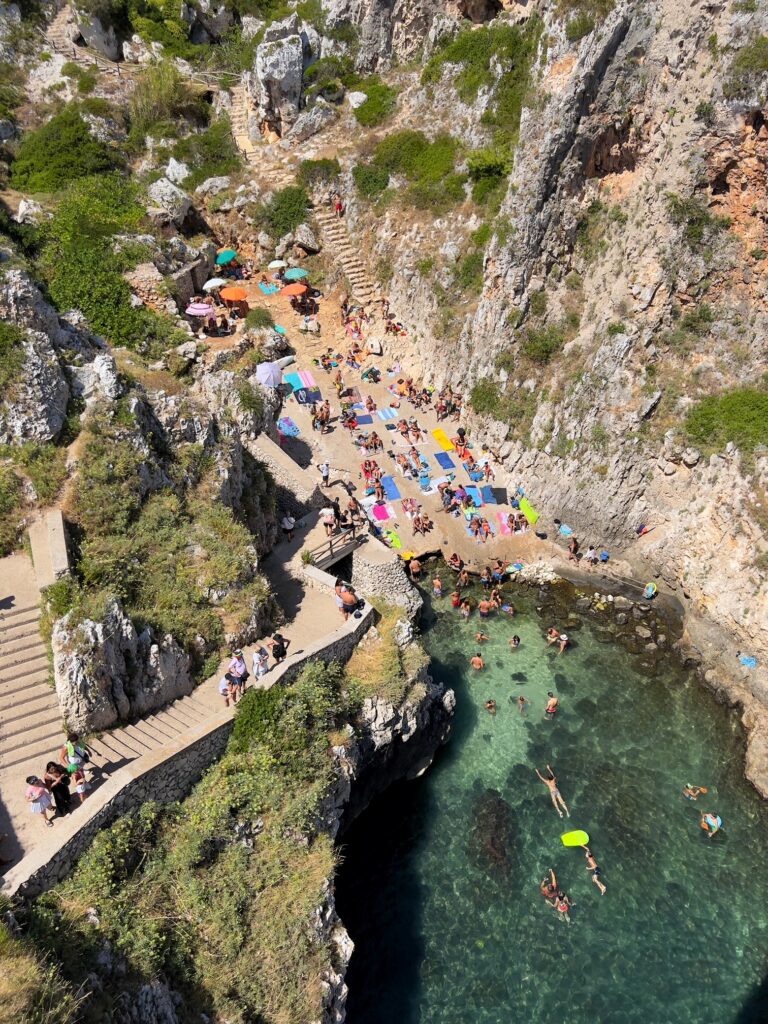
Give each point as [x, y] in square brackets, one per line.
[294, 380]
[475, 495]
[286, 426]
[387, 414]
[269, 289]
[390, 488]
[306, 397]
[566, 531]
[444, 460]
[488, 495]
[364, 419]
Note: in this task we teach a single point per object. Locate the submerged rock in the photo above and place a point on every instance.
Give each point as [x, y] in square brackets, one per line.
[492, 839]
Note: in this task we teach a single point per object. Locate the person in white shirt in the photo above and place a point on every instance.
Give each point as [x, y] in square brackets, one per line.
[260, 662]
[288, 525]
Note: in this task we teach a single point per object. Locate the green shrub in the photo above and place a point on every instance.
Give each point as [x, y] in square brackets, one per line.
[699, 225]
[84, 272]
[160, 99]
[11, 358]
[329, 76]
[10, 509]
[485, 397]
[538, 304]
[44, 464]
[469, 273]
[615, 329]
[541, 344]
[61, 151]
[285, 211]
[427, 165]
[740, 416]
[317, 172]
[579, 26]
[370, 180]
[380, 103]
[747, 70]
[11, 90]
[705, 111]
[251, 399]
[210, 153]
[85, 78]
[258, 318]
[478, 51]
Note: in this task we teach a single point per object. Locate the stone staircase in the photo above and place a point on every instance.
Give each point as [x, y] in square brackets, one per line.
[338, 242]
[30, 721]
[274, 166]
[58, 35]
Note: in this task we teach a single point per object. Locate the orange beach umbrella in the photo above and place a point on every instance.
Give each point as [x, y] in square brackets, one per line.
[234, 294]
[293, 289]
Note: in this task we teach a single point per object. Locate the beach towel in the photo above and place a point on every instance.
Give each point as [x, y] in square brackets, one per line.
[387, 414]
[443, 440]
[566, 531]
[434, 485]
[529, 511]
[294, 380]
[304, 397]
[390, 488]
[503, 524]
[307, 379]
[476, 476]
[383, 512]
[475, 495]
[488, 496]
[269, 289]
[393, 539]
[444, 460]
[286, 426]
[364, 419]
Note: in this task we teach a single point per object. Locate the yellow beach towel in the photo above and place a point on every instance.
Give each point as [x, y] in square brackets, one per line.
[442, 439]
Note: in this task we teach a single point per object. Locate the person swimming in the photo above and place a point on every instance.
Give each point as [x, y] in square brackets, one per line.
[490, 706]
[693, 792]
[514, 643]
[548, 885]
[522, 704]
[481, 637]
[553, 703]
[592, 866]
[477, 662]
[562, 905]
[554, 792]
[711, 823]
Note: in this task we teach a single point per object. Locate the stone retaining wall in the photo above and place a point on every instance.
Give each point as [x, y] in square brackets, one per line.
[165, 774]
[298, 489]
[384, 577]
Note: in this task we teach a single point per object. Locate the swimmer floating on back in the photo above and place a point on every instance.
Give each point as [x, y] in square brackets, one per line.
[548, 885]
[693, 792]
[711, 823]
[554, 792]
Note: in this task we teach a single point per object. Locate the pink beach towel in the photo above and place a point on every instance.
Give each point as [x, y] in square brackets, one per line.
[307, 379]
[503, 525]
[383, 512]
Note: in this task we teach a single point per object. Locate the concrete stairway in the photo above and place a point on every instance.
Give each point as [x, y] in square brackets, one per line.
[338, 242]
[30, 721]
[238, 116]
[59, 38]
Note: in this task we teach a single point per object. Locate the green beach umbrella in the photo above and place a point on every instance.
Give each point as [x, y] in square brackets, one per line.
[295, 274]
[225, 256]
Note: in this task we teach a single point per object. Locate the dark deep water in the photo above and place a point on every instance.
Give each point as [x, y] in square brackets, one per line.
[439, 886]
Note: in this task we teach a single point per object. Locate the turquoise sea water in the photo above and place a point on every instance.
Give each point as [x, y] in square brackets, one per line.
[440, 883]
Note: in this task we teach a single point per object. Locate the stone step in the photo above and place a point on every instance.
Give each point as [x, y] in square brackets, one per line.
[32, 753]
[38, 704]
[164, 726]
[47, 737]
[24, 642]
[26, 724]
[138, 738]
[22, 684]
[151, 734]
[14, 613]
[22, 628]
[192, 703]
[115, 748]
[183, 719]
[9, 667]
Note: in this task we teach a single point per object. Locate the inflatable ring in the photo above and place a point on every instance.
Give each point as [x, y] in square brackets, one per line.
[650, 591]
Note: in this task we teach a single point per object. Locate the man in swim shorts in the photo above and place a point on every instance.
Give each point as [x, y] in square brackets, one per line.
[477, 662]
[554, 792]
[553, 703]
[548, 885]
[490, 707]
[484, 609]
[593, 867]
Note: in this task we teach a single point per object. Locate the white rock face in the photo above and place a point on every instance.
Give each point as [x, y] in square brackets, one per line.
[136, 51]
[305, 237]
[279, 65]
[176, 171]
[10, 18]
[212, 186]
[310, 122]
[29, 212]
[250, 26]
[48, 74]
[165, 195]
[100, 38]
[106, 671]
[356, 99]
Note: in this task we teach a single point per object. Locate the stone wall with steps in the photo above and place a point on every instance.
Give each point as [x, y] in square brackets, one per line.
[165, 771]
[338, 242]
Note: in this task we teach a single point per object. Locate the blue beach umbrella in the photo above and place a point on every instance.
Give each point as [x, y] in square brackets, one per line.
[225, 256]
[295, 274]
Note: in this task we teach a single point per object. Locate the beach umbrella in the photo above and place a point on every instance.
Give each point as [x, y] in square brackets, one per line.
[234, 294]
[276, 265]
[225, 256]
[293, 289]
[199, 309]
[215, 282]
[295, 274]
[269, 374]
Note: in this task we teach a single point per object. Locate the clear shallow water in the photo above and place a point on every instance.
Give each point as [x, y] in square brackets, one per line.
[439, 888]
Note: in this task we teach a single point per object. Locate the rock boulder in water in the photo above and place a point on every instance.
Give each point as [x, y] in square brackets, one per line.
[492, 840]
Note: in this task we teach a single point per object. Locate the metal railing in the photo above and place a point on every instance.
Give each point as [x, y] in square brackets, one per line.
[335, 547]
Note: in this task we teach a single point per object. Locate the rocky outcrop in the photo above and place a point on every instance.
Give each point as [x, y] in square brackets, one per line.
[166, 196]
[278, 68]
[387, 28]
[106, 671]
[99, 37]
[375, 572]
[309, 122]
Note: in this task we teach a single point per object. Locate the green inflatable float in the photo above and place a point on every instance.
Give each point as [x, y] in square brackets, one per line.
[576, 838]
